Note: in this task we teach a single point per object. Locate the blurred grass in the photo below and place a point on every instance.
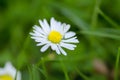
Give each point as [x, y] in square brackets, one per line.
[117, 65]
[96, 22]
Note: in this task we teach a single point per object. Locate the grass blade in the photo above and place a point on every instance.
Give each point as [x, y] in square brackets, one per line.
[117, 64]
[64, 70]
[101, 34]
[82, 75]
[95, 14]
[109, 20]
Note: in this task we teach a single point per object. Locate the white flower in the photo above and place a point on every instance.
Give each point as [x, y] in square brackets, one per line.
[55, 35]
[9, 72]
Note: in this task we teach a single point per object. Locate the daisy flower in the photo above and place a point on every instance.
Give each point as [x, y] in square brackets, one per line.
[9, 72]
[56, 36]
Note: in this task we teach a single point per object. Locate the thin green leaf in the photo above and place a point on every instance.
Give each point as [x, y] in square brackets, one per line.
[109, 19]
[95, 14]
[117, 65]
[82, 75]
[64, 70]
[101, 34]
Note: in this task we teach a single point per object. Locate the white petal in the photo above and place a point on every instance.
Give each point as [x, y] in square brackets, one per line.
[60, 28]
[38, 39]
[42, 43]
[66, 27]
[63, 52]
[55, 48]
[44, 27]
[47, 25]
[38, 35]
[68, 46]
[53, 24]
[45, 47]
[38, 29]
[71, 40]
[18, 75]
[69, 34]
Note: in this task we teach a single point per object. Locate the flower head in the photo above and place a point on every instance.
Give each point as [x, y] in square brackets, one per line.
[56, 35]
[9, 72]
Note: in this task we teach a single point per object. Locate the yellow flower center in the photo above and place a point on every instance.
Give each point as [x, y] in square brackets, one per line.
[6, 77]
[54, 36]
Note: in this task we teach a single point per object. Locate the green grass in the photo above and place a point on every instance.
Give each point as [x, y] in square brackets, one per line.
[117, 65]
[97, 26]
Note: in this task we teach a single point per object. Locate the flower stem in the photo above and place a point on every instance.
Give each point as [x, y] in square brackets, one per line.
[64, 70]
[44, 68]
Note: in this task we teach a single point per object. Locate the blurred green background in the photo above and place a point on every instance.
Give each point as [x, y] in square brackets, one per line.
[96, 22]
